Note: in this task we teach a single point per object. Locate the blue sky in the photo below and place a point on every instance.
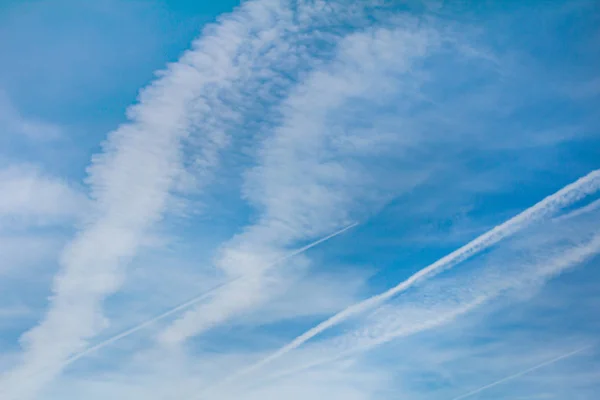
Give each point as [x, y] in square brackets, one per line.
[299, 199]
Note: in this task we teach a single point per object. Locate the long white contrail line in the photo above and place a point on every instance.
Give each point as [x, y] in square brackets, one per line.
[580, 211]
[571, 193]
[197, 299]
[576, 255]
[520, 374]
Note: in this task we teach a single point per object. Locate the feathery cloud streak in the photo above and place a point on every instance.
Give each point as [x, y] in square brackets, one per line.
[325, 113]
[195, 300]
[310, 178]
[551, 204]
[32, 197]
[521, 266]
[395, 321]
[133, 180]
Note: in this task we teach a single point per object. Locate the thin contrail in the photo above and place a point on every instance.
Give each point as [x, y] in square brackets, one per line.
[574, 256]
[571, 193]
[585, 209]
[520, 374]
[196, 299]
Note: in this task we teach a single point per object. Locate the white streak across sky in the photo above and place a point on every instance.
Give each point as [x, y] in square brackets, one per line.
[287, 174]
[195, 300]
[568, 195]
[132, 181]
[522, 373]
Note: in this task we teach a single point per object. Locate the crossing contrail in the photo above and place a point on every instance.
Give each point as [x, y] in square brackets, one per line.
[196, 299]
[573, 256]
[521, 373]
[568, 195]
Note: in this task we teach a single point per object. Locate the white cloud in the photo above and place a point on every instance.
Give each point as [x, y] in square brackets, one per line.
[30, 196]
[311, 175]
[334, 136]
[327, 294]
[308, 181]
[514, 271]
[132, 182]
[158, 376]
[570, 194]
[461, 298]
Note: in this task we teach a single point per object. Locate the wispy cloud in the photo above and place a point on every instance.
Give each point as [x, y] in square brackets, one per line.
[133, 179]
[543, 263]
[516, 271]
[563, 198]
[187, 304]
[309, 180]
[132, 183]
[303, 156]
[30, 196]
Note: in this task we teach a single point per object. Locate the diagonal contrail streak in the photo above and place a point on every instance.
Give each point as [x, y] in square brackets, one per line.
[197, 299]
[566, 196]
[521, 373]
